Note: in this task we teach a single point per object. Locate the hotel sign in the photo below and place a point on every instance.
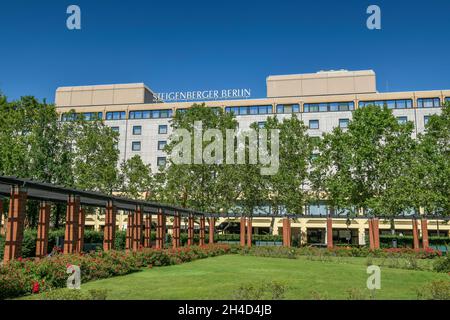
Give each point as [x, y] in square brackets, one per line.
[200, 95]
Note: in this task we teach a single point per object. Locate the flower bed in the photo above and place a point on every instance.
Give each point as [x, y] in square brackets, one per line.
[25, 276]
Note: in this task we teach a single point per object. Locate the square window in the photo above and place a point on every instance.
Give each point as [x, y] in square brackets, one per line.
[314, 124]
[137, 130]
[402, 120]
[426, 119]
[161, 161]
[261, 124]
[280, 109]
[115, 129]
[162, 129]
[136, 146]
[343, 123]
[323, 107]
[161, 145]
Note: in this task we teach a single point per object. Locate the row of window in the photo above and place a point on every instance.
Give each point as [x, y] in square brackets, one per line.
[151, 114]
[89, 116]
[136, 145]
[252, 110]
[326, 107]
[137, 130]
[391, 104]
[266, 109]
[313, 124]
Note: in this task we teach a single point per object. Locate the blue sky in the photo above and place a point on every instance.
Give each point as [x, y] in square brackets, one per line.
[199, 45]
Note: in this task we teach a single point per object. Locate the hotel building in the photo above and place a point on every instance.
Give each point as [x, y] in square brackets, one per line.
[322, 100]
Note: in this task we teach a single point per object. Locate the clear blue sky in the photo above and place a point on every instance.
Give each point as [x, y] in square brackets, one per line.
[190, 45]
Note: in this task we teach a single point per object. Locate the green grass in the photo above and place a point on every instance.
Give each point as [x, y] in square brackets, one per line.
[219, 277]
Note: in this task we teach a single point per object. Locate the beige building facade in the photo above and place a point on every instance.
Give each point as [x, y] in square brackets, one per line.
[322, 100]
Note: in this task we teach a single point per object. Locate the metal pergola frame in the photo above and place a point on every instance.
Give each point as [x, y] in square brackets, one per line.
[57, 194]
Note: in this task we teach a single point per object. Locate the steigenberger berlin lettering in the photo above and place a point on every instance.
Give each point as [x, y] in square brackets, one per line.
[204, 95]
[208, 147]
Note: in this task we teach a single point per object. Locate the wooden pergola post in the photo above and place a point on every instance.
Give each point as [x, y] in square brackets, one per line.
[329, 232]
[160, 228]
[249, 232]
[202, 231]
[148, 231]
[81, 223]
[130, 231]
[109, 232]
[137, 232]
[72, 221]
[190, 230]
[286, 232]
[15, 224]
[43, 229]
[374, 233]
[242, 234]
[424, 227]
[415, 231]
[176, 231]
[212, 229]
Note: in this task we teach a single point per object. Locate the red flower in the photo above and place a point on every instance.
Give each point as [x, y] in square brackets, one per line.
[35, 287]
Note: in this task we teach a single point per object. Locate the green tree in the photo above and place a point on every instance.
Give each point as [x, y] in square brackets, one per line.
[135, 178]
[367, 166]
[93, 154]
[199, 185]
[431, 167]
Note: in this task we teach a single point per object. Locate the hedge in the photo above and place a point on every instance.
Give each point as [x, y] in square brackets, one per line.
[407, 241]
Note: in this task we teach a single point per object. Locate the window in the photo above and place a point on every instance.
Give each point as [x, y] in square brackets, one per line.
[447, 99]
[428, 103]
[343, 123]
[252, 110]
[402, 120]
[68, 117]
[181, 110]
[136, 146]
[161, 145]
[151, 114]
[137, 130]
[115, 129]
[329, 106]
[88, 116]
[116, 115]
[314, 124]
[162, 129]
[288, 108]
[161, 161]
[317, 209]
[426, 119]
[391, 104]
[261, 124]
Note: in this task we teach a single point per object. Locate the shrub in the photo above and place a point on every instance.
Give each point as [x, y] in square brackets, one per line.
[272, 290]
[436, 290]
[357, 294]
[442, 264]
[73, 294]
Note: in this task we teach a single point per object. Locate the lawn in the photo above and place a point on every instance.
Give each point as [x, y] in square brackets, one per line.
[220, 277]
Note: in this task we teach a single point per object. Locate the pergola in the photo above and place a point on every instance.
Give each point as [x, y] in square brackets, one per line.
[138, 233]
